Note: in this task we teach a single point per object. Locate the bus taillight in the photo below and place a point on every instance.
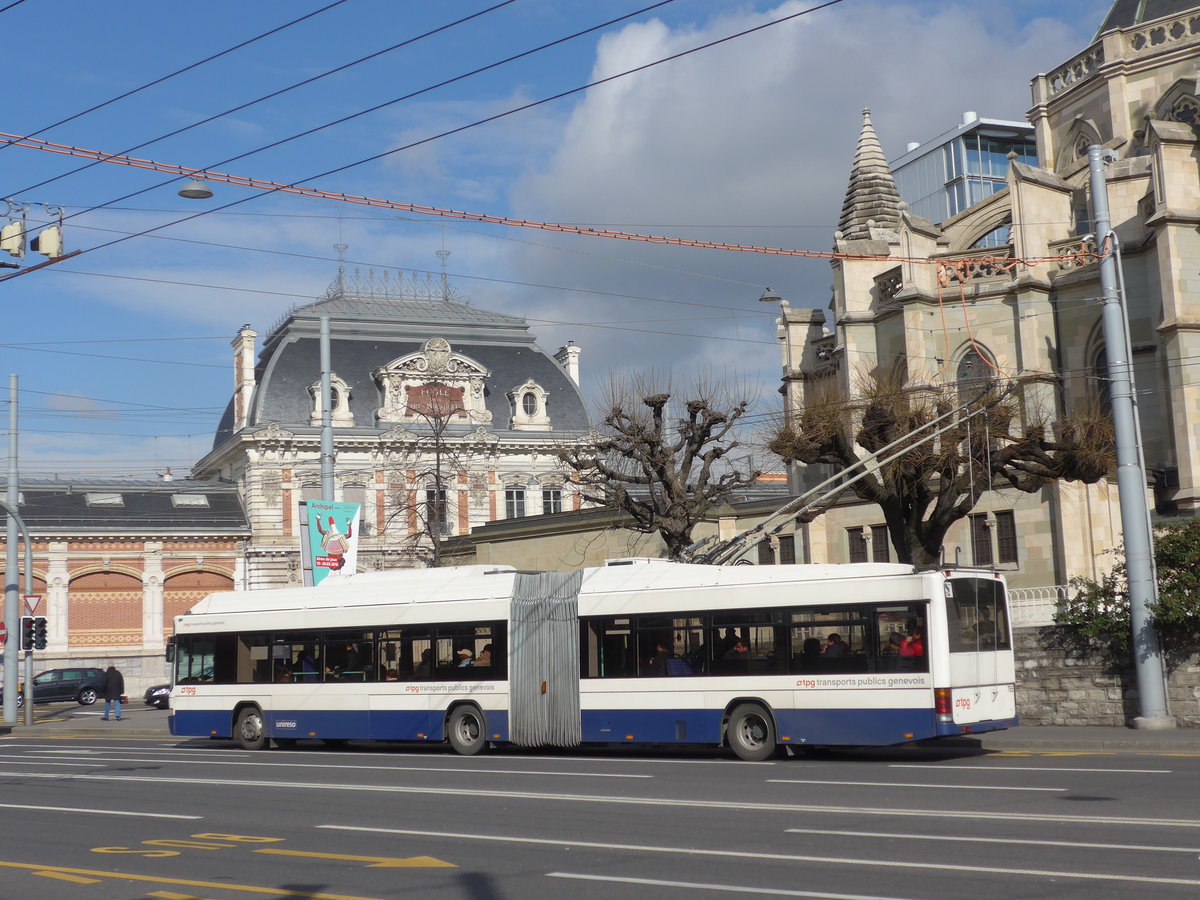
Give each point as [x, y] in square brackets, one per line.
[941, 704]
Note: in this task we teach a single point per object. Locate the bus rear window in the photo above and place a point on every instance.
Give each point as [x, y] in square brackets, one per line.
[977, 616]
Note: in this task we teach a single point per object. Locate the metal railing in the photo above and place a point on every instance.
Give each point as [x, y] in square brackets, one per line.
[1031, 607]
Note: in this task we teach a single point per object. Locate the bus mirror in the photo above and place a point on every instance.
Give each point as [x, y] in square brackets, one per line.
[170, 653]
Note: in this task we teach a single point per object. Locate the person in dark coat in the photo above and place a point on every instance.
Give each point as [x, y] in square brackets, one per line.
[114, 688]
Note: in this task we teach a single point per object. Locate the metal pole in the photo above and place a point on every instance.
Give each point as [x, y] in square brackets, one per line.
[326, 416]
[12, 608]
[1131, 476]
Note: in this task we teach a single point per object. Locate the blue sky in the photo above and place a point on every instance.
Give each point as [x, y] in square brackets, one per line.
[123, 352]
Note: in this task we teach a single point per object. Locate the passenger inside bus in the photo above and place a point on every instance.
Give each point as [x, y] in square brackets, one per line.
[425, 666]
[656, 664]
[485, 656]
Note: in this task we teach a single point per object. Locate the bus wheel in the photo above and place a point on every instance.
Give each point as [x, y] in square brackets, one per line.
[285, 743]
[248, 731]
[466, 730]
[751, 733]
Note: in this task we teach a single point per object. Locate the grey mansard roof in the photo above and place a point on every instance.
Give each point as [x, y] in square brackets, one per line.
[373, 323]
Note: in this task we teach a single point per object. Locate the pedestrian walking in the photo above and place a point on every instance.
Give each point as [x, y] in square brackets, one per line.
[114, 688]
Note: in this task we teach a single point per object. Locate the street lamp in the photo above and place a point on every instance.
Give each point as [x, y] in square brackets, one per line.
[195, 190]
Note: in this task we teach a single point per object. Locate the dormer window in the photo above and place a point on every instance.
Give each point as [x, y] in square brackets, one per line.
[103, 499]
[339, 393]
[529, 407]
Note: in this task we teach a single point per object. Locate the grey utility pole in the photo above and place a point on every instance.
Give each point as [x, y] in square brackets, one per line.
[12, 607]
[1131, 476]
[327, 485]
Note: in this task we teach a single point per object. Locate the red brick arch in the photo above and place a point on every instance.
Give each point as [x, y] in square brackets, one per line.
[184, 590]
[104, 609]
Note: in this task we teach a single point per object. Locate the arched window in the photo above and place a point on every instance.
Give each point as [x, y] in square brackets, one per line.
[973, 376]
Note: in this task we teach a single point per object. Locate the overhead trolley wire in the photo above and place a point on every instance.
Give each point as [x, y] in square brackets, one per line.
[296, 188]
[271, 96]
[169, 76]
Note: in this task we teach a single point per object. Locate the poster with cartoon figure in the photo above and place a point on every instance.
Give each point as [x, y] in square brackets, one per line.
[331, 539]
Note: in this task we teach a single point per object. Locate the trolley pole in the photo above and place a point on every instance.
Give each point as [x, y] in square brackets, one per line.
[1131, 477]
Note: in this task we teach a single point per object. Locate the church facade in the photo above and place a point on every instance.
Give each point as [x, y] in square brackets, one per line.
[445, 417]
[952, 303]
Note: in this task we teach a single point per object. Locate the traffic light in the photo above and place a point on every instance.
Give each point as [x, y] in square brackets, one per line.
[26, 632]
[39, 632]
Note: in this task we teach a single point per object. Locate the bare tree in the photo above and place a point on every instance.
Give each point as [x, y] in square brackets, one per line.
[931, 485]
[661, 455]
[436, 458]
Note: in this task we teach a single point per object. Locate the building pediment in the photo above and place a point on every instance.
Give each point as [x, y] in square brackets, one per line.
[435, 384]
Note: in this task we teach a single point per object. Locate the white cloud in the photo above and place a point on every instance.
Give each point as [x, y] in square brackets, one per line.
[758, 131]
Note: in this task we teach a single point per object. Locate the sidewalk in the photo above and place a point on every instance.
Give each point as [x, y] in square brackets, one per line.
[62, 720]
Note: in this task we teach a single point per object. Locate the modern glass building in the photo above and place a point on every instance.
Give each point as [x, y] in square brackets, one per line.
[944, 176]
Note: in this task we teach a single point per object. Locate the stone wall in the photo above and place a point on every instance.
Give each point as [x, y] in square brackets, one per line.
[1057, 684]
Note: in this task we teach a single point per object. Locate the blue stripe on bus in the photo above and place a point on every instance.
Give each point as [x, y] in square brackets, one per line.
[820, 727]
[377, 725]
[853, 727]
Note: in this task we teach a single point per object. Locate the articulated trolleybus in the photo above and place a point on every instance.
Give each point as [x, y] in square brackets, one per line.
[754, 658]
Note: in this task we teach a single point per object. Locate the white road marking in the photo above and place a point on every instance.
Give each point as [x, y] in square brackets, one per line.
[662, 802]
[782, 857]
[49, 762]
[995, 840]
[303, 765]
[97, 812]
[727, 888]
[909, 784]
[1029, 769]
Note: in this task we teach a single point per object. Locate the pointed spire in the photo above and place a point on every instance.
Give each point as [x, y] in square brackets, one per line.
[871, 194]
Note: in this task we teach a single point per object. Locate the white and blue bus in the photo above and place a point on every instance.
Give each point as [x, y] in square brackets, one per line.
[637, 651]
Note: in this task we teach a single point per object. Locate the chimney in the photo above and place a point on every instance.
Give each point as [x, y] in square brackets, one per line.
[243, 375]
[568, 358]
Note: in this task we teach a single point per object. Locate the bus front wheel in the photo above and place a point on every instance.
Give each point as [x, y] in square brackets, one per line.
[751, 733]
[466, 730]
[248, 731]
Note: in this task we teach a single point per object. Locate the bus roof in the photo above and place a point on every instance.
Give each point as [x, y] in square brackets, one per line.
[369, 589]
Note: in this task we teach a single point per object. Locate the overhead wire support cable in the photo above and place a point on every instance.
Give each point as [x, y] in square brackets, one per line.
[270, 187]
[271, 96]
[169, 76]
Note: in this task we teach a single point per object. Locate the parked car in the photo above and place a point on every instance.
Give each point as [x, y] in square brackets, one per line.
[159, 696]
[84, 686]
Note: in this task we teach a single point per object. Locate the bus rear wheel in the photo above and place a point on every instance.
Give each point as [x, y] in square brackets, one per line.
[466, 730]
[248, 730]
[751, 733]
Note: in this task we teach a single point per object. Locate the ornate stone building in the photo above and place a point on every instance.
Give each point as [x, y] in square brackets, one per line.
[445, 417]
[1030, 308]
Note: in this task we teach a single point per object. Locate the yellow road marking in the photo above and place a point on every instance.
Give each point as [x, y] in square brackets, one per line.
[171, 895]
[377, 862]
[188, 882]
[63, 876]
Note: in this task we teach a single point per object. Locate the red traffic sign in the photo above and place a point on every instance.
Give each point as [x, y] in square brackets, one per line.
[31, 603]
[3, 634]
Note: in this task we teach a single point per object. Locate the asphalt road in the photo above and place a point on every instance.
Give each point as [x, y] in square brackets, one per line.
[108, 815]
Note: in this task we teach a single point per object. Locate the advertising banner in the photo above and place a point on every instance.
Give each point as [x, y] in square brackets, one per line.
[329, 540]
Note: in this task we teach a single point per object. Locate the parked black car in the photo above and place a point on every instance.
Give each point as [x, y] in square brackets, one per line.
[83, 686]
[159, 696]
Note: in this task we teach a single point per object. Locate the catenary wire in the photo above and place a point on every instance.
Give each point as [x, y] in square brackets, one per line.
[169, 76]
[37, 144]
[278, 93]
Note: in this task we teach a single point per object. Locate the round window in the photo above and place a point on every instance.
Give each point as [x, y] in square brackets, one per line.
[529, 403]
